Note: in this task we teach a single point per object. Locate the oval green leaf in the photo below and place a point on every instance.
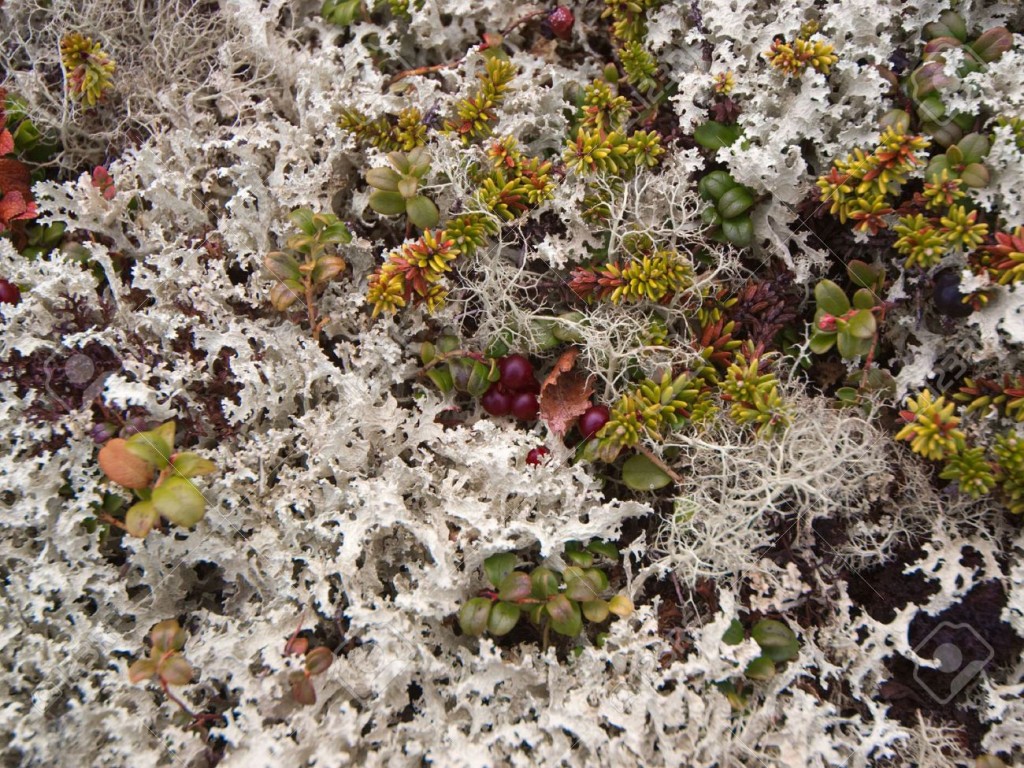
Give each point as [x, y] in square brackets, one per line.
[641, 474]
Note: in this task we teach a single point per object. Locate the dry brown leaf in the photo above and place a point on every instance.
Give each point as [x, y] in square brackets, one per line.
[565, 393]
[14, 176]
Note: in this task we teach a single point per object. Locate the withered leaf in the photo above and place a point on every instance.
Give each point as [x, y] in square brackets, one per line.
[565, 393]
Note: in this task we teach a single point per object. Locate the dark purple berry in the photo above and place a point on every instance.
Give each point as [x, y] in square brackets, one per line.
[534, 457]
[558, 23]
[103, 431]
[496, 401]
[947, 297]
[9, 292]
[525, 406]
[516, 372]
[592, 420]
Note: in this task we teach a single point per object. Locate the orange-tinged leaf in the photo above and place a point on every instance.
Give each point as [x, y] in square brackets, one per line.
[124, 467]
[565, 393]
[14, 176]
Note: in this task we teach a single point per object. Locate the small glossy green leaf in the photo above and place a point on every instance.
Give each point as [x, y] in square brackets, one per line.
[497, 567]
[975, 175]
[863, 274]
[715, 135]
[862, 324]
[143, 669]
[822, 342]
[188, 464]
[975, 147]
[503, 618]
[777, 641]
[384, 179]
[544, 582]
[863, 298]
[515, 586]
[641, 474]
[579, 557]
[831, 298]
[604, 549]
[715, 184]
[422, 212]
[733, 633]
[739, 231]
[282, 265]
[479, 380]
[179, 501]
[851, 346]
[140, 519]
[581, 589]
[473, 616]
[302, 219]
[150, 448]
[565, 614]
[442, 378]
[711, 216]
[595, 610]
[762, 668]
[387, 203]
[734, 202]
[620, 605]
[318, 660]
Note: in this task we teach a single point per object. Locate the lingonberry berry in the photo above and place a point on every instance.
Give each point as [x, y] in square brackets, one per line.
[525, 406]
[9, 292]
[947, 297]
[534, 457]
[558, 23]
[496, 401]
[592, 420]
[516, 372]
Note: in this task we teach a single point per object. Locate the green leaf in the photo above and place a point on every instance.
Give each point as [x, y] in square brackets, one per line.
[595, 610]
[143, 669]
[336, 232]
[641, 474]
[735, 202]
[140, 519]
[566, 617]
[863, 298]
[582, 589]
[150, 447]
[282, 265]
[408, 186]
[384, 179]
[544, 582]
[851, 346]
[515, 586]
[734, 633]
[302, 218]
[831, 298]
[318, 660]
[167, 635]
[387, 203]
[762, 668]
[975, 147]
[864, 275]
[479, 379]
[604, 549]
[715, 135]
[179, 501]
[975, 175]
[497, 567]
[579, 557]
[442, 378]
[427, 352]
[715, 184]
[711, 216]
[739, 231]
[188, 464]
[422, 212]
[862, 324]
[822, 342]
[777, 641]
[503, 618]
[473, 616]
[620, 605]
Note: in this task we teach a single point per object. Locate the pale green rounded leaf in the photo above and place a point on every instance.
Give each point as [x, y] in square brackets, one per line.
[503, 619]
[641, 474]
[473, 616]
[831, 298]
[140, 519]
[422, 212]
[179, 501]
[387, 203]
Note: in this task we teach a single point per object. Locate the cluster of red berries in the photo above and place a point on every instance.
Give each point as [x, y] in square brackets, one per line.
[9, 293]
[515, 392]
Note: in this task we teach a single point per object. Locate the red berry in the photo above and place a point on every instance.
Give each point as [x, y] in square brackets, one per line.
[559, 22]
[516, 372]
[533, 458]
[592, 420]
[496, 401]
[525, 406]
[9, 292]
